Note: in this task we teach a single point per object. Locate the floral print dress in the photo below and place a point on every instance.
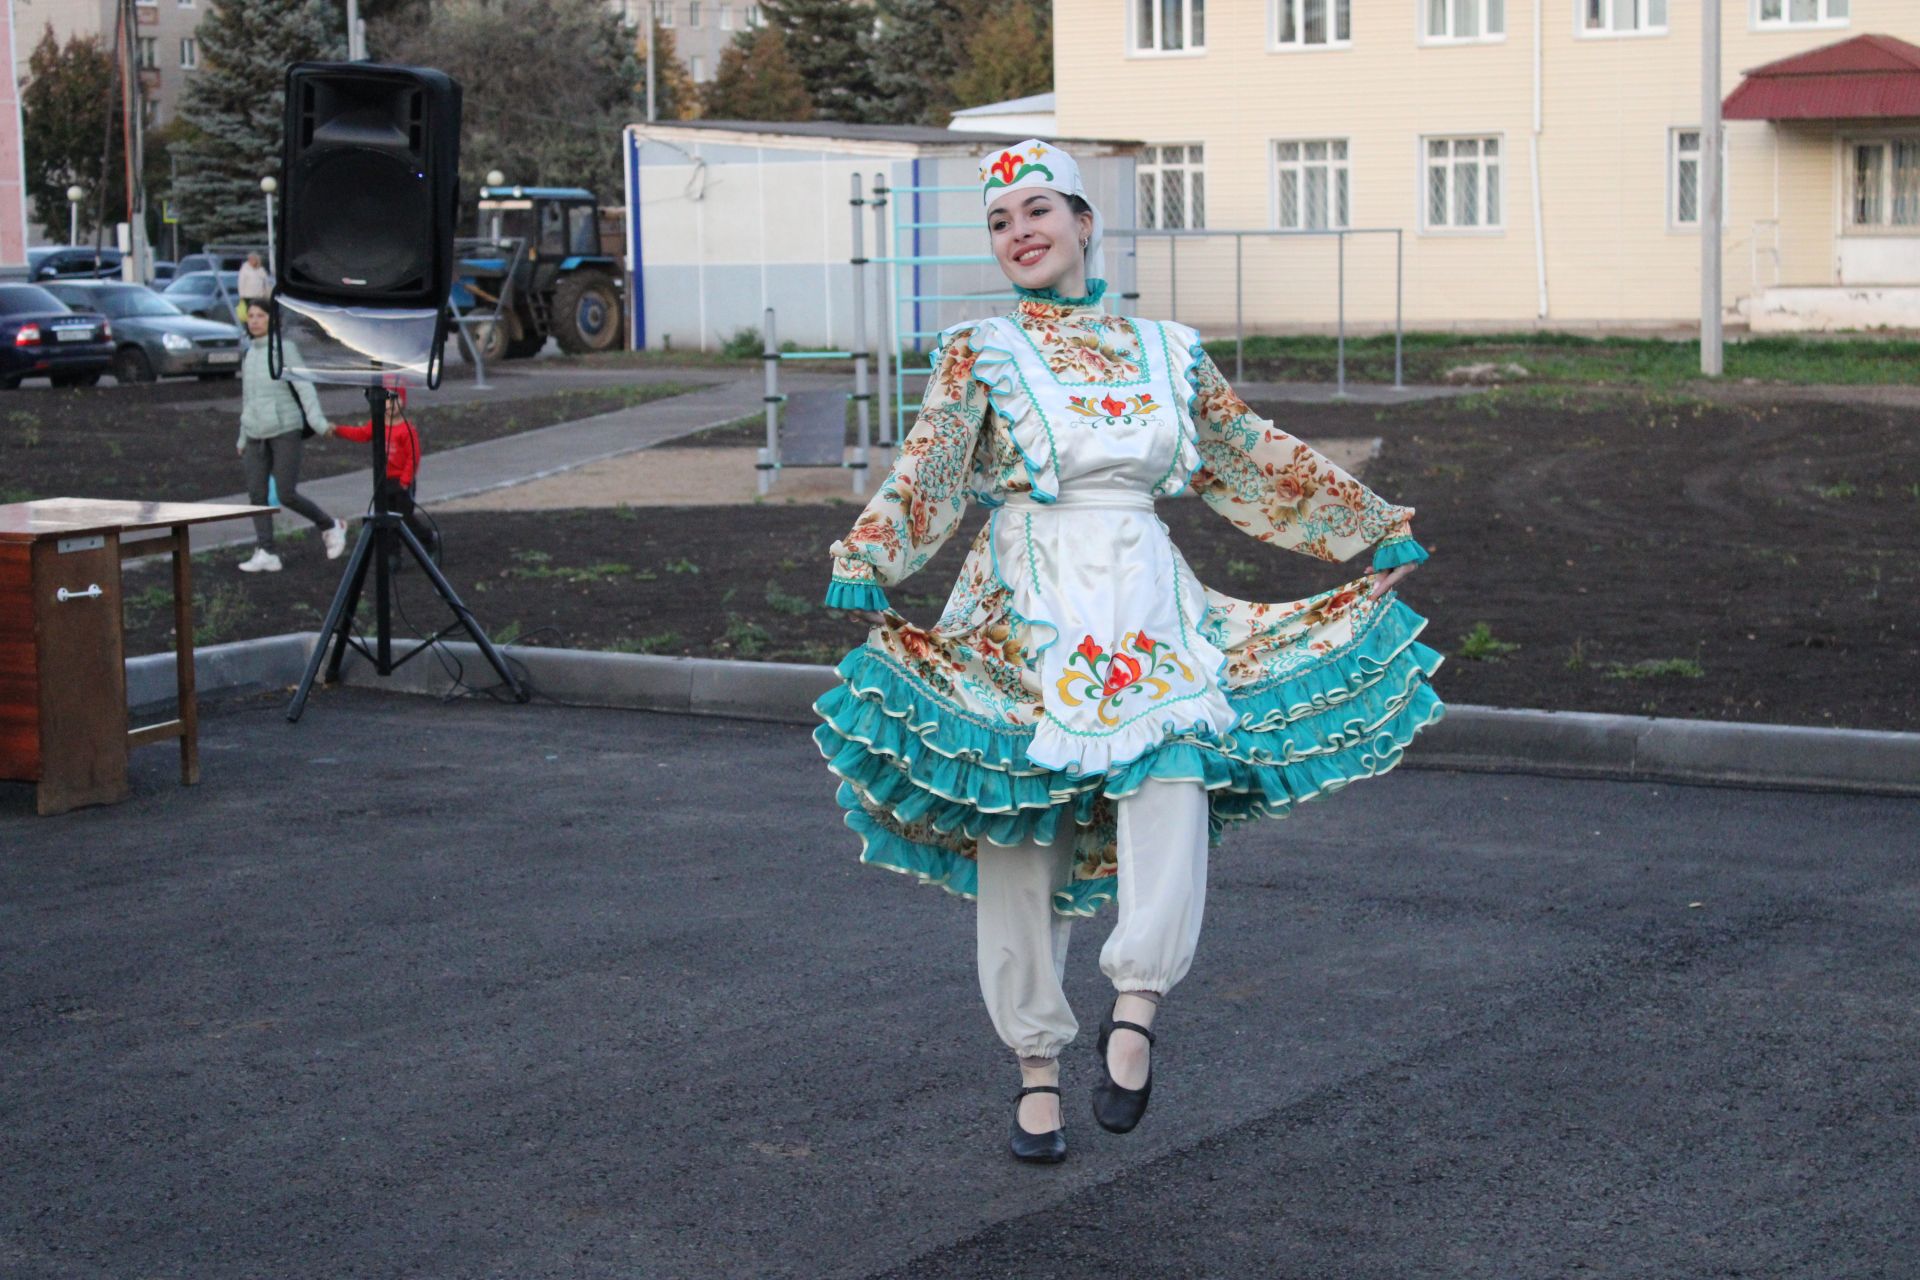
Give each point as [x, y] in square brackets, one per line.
[1077, 655]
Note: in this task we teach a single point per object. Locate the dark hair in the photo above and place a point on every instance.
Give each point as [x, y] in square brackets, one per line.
[1078, 205]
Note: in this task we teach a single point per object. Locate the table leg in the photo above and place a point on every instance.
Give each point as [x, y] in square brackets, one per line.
[183, 655]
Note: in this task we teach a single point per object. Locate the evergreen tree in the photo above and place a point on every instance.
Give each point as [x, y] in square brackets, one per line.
[547, 84]
[67, 106]
[756, 80]
[916, 57]
[829, 42]
[232, 110]
[1009, 55]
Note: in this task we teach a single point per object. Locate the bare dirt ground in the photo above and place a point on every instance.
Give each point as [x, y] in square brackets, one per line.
[1629, 553]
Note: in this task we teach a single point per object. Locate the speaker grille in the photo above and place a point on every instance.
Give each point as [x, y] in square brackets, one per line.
[365, 197]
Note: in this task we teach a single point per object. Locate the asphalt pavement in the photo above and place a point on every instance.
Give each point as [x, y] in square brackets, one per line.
[475, 990]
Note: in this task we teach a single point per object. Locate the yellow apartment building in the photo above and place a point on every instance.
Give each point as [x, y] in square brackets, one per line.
[1540, 158]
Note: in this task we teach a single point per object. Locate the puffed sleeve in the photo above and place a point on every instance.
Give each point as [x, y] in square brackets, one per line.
[920, 503]
[1282, 490]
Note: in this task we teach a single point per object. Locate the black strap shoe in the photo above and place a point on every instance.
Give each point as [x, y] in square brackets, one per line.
[1037, 1148]
[1115, 1108]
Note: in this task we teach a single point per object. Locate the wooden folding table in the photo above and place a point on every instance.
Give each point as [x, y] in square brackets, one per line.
[63, 684]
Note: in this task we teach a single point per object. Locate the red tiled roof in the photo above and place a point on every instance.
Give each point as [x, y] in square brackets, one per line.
[1867, 77]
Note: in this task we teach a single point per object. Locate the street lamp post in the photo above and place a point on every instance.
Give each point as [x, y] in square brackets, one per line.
[269, 186]
[75, 194]
[495, 178]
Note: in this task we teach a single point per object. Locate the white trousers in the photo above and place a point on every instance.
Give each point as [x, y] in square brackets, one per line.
[1023, 942]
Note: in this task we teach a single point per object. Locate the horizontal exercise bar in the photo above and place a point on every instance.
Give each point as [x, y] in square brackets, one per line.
[939, 260]
[942, 226]
[816, 355]
[970, 187]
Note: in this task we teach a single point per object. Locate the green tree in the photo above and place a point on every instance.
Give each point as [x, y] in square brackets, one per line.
[829, 41]
[756, 80]
[1009, 55]
[232, 111]
[67, 107]
[916, 57]
[548, 85]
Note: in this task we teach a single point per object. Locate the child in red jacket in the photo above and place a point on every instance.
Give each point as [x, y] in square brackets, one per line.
[403, 467]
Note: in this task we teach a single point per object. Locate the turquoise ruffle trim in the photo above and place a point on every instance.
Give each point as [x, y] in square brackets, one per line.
[1395, 554]
[902, 749]
[1096, 290]
[856, 595]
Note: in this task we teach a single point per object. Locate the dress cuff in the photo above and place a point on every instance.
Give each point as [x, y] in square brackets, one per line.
[844, 593]
[1398, 550]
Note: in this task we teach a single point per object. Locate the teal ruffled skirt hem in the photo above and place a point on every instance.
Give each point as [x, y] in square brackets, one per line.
[923, 780]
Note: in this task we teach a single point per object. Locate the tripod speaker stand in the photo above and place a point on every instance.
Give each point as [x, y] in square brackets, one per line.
[382, 534]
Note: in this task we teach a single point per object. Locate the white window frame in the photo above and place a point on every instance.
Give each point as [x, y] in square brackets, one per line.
[1826, 21]
[1158, 36]
[189, 53]
[1611, 9]
[1339, 175]
[1674, 224]
[146, 53]
[697, 68]
[726, 17]
[1848, 155]
[1149, 213]
[1276, 43]
[693, 13]
[1423, 11]
[752, 19]
[663, 14]
[1499, 186]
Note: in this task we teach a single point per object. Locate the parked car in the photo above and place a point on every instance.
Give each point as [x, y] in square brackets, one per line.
[202, 293]
[72, 262]
[152, 337]
[41, 337]
[222, 260]
[163, 274]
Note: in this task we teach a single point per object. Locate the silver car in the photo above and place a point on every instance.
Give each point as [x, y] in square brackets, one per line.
[152, 337]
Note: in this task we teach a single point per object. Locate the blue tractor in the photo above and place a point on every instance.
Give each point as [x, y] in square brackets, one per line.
[542, 261]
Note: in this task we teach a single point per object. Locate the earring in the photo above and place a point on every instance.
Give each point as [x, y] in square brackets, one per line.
[1083, 245]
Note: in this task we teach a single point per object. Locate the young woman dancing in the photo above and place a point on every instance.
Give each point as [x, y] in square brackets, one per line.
[1086, 715]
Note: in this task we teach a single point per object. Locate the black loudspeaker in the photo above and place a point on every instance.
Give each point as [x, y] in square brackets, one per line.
[370, 177]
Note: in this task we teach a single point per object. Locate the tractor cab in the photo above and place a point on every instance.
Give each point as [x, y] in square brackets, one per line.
[546, 268]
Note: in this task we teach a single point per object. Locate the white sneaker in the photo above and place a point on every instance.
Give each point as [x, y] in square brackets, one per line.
[335, 538]
[261, 561]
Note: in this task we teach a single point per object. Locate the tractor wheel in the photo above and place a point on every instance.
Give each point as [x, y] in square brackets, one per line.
[586, 313]
[496, 339]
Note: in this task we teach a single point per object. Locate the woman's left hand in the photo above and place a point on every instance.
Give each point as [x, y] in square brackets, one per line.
[1385, 582]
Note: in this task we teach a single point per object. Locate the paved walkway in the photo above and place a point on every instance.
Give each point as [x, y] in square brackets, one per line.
[477, 990]
[517, 459]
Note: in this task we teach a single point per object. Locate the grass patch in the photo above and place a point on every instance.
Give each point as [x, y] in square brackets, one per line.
[743, 637]
[1655, 669]
[217, 614]
[794, 606]
[1480, 645]
[1577, 359]
[658, 642]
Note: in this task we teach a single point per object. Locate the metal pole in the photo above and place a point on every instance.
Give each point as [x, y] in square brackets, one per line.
[73, 222]
[1711, 351]
[653, 32]
[1173, 277]
[1239, 311]
[273, 267]
[1342, 340]
[889, 343]
[861, 394]
[1399, 293]
[770, 359]
[356, 34]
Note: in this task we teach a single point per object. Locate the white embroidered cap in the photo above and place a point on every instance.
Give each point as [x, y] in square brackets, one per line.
[1034, 163]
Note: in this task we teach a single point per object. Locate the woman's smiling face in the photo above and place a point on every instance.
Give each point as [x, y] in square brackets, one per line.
[1036, 239]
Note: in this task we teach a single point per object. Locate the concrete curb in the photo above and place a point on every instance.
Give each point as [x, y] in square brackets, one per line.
[1481, 739]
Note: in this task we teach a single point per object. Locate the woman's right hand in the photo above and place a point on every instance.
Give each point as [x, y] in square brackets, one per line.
[871, 617]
